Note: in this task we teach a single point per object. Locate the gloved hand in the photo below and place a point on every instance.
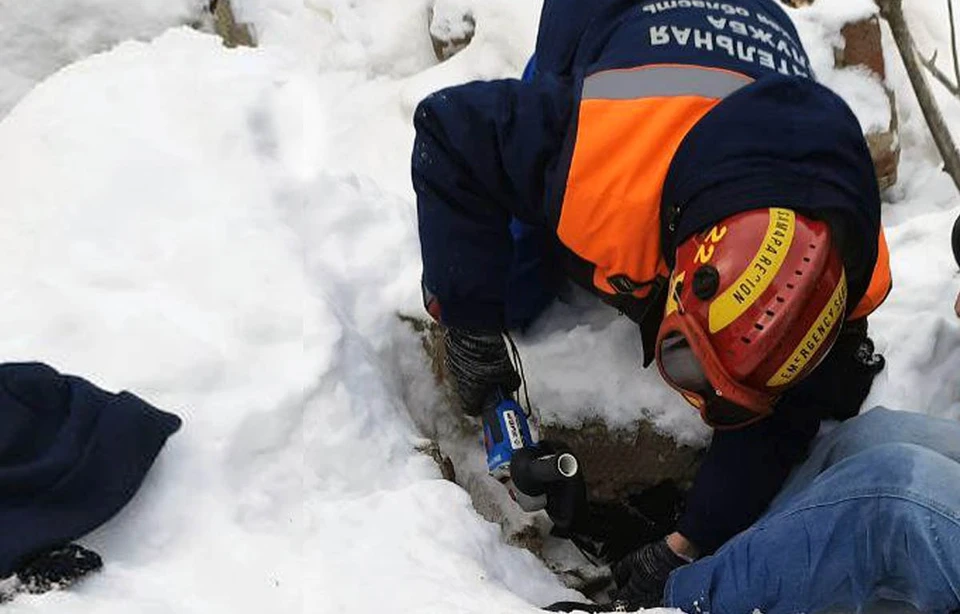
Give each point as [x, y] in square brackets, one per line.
[576, 606]
[840, 384]
[479, 365]
[610, 530]
[641, 576]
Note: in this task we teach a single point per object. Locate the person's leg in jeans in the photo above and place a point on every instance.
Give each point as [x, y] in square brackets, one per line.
[874, 427]
[873, 514]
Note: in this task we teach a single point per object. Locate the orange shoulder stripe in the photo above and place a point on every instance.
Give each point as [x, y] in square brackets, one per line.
[880, 283]
[631, 123]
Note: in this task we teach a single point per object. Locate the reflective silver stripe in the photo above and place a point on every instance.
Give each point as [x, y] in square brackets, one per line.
[662, 81]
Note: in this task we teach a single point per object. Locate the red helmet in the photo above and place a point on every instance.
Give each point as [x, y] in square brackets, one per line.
[754, 305]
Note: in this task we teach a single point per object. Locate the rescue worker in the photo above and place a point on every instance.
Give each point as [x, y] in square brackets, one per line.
[680, 162]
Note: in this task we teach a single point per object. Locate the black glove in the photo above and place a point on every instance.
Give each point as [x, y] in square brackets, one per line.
[574, 606]
[609, 530]
[58, 568]
[642, 575]
[479, 366]
[840, 384]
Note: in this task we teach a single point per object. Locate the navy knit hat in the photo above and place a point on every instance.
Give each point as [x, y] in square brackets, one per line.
[780, 142]
[71, 456]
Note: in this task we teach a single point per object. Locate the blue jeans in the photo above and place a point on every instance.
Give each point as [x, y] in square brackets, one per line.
[873, 514]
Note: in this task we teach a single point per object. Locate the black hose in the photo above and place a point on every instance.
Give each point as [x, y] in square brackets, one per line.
[532, 473]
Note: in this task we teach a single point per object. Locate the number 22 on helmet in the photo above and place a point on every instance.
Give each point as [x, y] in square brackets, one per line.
[754, 305]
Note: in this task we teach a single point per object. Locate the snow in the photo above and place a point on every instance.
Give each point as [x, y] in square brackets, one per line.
[231, 234]
[451, 20]
[37, 38]
[819, 26]
[917, 329]
[171, 228]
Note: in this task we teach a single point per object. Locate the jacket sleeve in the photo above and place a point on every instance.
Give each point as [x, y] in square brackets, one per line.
[742, 472]
[485, 152]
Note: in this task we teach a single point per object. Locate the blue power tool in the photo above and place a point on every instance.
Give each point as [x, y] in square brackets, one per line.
[505, 430]
[514, 459]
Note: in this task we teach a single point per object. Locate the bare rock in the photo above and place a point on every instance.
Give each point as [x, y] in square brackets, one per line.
[234, 34]
[863, 46]
[885, 148]
[452, 27]
[432, 449]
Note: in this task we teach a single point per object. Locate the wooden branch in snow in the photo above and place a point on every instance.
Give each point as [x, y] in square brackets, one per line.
[953, 42]
[892, 11]
[931, 65]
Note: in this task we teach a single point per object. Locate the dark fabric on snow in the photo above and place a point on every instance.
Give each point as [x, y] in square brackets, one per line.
[71, 455]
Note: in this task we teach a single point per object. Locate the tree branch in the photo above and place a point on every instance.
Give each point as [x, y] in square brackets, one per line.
[931, 65]
[953, 42]
[892, 11]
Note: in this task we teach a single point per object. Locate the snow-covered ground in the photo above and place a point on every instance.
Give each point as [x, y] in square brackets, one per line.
[231, 233]
[37, 38]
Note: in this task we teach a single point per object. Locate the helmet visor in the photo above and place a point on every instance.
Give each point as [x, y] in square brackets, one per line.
[682, 370]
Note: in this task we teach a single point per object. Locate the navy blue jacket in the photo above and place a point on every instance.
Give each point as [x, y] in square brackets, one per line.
[489, 151]
[71, 455]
